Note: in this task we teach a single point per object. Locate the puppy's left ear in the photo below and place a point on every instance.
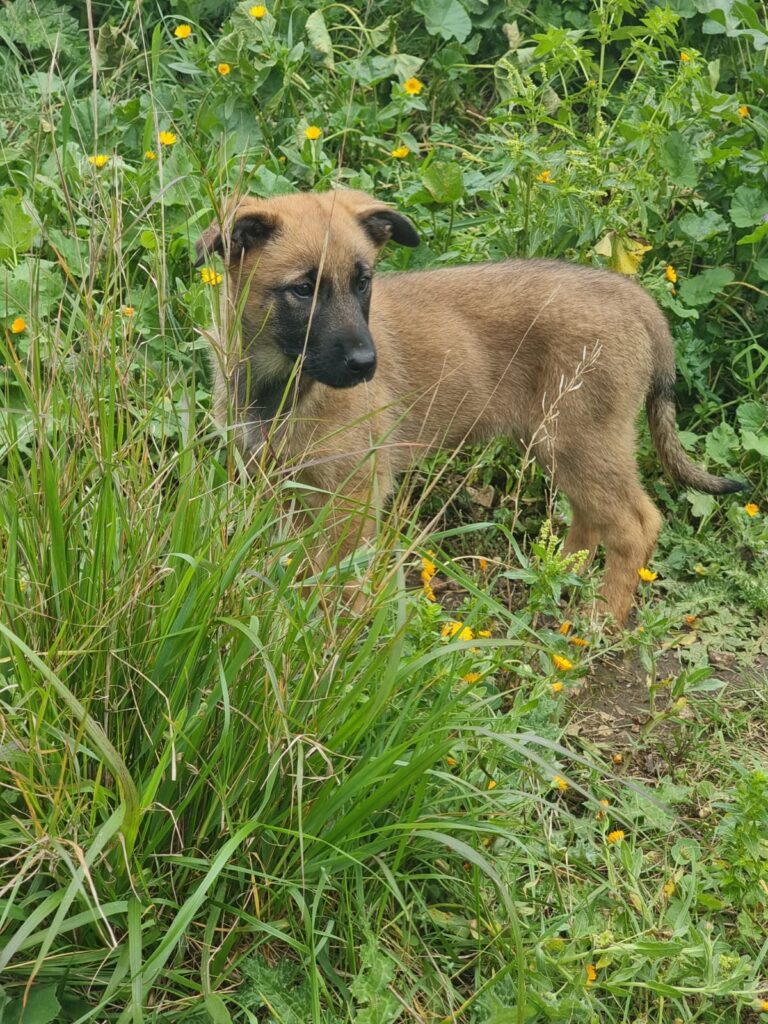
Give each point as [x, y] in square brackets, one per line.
[382, 224]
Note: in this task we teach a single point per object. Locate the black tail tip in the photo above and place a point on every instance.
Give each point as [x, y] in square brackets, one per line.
[732, 486]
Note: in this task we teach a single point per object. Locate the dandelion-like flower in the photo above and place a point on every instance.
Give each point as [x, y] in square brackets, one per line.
[545, 176]
[128, 311]
[19, 325]
[647, 575]
[471, 677]
[615, 837]
[565, 628]
[483, 563]
[492, 784]
[618, 758]
[258, 11]
[671, 274]
[313, 133]
[99, 160]
[561, 664]
[183, 31]
[168, 138]
[578, 641]
[751, 509]
[591, 975]
[451, 762]
[560, 783]
[456, 629]
[400, 153]
[743, 110]
[556, 687]
[485, 634]
[150, 154]
[413, 86]
[684, 57]
[210, 276]
[223, 68]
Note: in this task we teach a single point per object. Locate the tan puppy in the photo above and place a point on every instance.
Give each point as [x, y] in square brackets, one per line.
[354, 381]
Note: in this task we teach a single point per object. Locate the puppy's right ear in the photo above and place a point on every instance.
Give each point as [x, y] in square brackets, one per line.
[246, 230]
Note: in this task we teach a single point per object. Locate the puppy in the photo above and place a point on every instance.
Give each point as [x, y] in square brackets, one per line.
[357, 380]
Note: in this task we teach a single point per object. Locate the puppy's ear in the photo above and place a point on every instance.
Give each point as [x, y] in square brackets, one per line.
[383, 224]
[247, 230]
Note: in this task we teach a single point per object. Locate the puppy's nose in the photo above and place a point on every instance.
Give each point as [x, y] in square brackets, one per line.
[361, 360]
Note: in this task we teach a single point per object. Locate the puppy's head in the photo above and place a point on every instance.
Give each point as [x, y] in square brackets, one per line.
[301, 269]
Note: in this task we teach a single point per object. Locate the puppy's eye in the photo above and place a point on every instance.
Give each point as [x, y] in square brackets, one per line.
[305, 290]
[363, 284]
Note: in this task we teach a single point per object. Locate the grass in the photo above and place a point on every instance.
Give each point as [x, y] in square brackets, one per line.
[226, 799]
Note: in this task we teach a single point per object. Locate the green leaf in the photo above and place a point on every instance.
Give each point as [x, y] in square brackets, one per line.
[702, 505]
[445, 18]
[700, 227]
[444, 182]
[17, 229]
[217, 1010]
[753, 416]
[319, 39]
[677, 160]
[721, 444]
[42, 1007]
[761, 269]
[699, 290]
[748, 207]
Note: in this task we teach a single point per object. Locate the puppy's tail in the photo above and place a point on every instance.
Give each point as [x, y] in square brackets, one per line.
[660, 407]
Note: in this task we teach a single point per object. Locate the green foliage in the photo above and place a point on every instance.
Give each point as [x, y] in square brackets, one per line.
[226, 799]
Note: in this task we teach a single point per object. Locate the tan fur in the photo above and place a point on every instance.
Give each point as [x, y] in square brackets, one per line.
[558, 357]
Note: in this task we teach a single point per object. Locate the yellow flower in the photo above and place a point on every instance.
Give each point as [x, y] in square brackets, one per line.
[743, 110]
[484, 633]
[413, 86]
[451, 762]
[428, 569]
[560, 782]
[561, 663]
[483, 563]
[764, 1006]
[313, 133]
[646, 575]
[150, 154]
[223, 68]
[601, 813]
[100, 160]
[258, 11]
[545, 176]
[557, 687]
[429, 592]
[183, 31]
[565, 628]
[684, 57]
[751, 509]
[577, 641]
[492, 784]
[618, 758]
[457, 629]
[668, 888]
[591, 975]
[400, 153]
[471, 677]
[615, 837]
[18, 325]
[168, 138]
[210, 276]
[671, 274]
[128, 310]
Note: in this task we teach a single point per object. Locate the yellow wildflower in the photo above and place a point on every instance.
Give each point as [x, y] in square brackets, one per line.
[451, 762]
[313, 133]
[671, 274]
[647, 575]
[18, 325]
[615, 837]
[413, 86]
[690, 620]
[560, 782]
[492, 784]
[668, 888]
[168, 138]
[601, 813]
[565, 628]
[556, 687]
[471, 677]
[150, 154]
[223, 68]
[545, 176]
[99, 160]
[561, 664]
[457, 629]
[400, 153]
[764, 1006]
[751, 509]
[428, 569]
[429, 592]
[183, 31]
[258, 11]
[591, 975]
[484, 633]
[743, 110]
[618, 758]
[483, 563]
[128, 310]
[577, 641]
[684, 57]
[210, 276]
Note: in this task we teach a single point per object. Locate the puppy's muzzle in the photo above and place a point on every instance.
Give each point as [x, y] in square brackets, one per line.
[361, 362]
